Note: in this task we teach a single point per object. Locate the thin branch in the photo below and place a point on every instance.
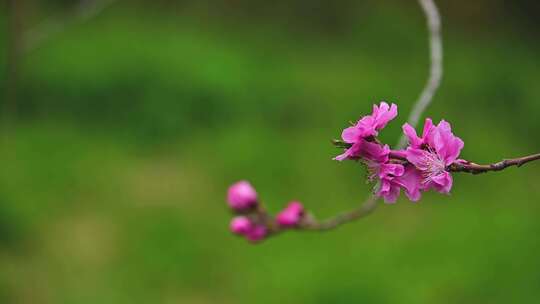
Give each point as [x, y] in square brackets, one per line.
[346, 217]
[473, 168]
[86, 10]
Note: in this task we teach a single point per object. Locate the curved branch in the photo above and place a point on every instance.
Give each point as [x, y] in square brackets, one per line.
[346, 217]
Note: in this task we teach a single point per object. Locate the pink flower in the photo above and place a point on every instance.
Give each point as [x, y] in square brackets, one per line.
[291, 215]
[241, 196]
[390, 175]
[366, 127]
[433, 153]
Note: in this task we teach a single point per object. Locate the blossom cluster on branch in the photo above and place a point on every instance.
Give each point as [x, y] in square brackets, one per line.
[422, 166]
[425, 164]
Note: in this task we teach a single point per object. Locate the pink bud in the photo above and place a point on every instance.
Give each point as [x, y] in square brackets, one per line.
[241, 225]
[241, 196]
[291, 215]
[257, 233]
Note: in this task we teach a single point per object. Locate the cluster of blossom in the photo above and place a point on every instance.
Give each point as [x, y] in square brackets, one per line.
[251, 221]
[422, 166]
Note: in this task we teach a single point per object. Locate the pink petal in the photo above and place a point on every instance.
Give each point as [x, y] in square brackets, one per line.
[388, 191]
[374, 151]
[410, 132]
[443, 182]
[417, 157]
[411, 181]
[445, 143]
[351, 135]
[367, 126]
[351, 153]
[384, 115]
[428, 128]
[391, 169]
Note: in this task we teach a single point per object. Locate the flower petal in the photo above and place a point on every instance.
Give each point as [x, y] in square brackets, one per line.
[351, 134]
[410, 132]
[388, 191]
[384, 114]
[428, 128]
[445, 143]
[391, 170]
[443, 182]
[411, 182]
[374, 152]
[418, 158]
[353, 152]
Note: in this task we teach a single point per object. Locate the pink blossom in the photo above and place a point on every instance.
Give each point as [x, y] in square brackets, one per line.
[376, 158]
[241, 196]
[438, 149]
[368, 126]
[390, 175]
[291, 215]
[241, 225]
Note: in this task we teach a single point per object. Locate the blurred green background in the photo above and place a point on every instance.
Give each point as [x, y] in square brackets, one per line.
[122, 131]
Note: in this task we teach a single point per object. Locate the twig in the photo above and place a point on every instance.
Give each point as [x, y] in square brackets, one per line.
[365, 209]
[473, 168]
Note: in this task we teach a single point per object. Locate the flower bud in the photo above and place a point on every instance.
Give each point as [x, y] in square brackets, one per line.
[291, 215]
[241, 196]
[241, 225]
[257, 233]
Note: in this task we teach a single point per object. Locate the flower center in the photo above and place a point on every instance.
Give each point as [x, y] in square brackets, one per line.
[434, 166]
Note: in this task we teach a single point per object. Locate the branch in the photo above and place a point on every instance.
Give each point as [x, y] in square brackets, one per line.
[346, 217]
[473, 168]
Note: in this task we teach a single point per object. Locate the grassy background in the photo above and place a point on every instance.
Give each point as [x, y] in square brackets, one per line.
[130, 127]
